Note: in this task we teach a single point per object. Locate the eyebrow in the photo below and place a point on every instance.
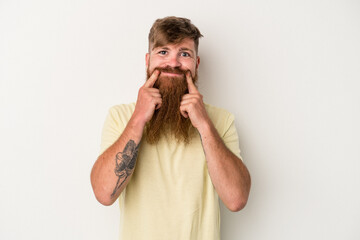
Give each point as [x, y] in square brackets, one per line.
[157, 48]
[181, 49]
[187, 49]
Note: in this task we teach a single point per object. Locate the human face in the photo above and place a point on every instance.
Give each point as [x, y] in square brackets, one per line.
[173, 61]
[181, 55]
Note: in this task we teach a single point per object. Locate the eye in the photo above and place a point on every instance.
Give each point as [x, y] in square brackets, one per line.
[185, 54]
[162, 52]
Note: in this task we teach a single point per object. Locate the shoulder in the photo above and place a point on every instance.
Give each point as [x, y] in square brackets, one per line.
[121, 113]
[123, 108]
[216, 113]
[220, 117]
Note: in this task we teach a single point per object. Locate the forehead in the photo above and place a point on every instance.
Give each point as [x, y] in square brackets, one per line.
[185, 43]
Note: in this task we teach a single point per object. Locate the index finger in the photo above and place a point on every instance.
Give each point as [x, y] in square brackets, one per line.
[191, 86]
[152, 79]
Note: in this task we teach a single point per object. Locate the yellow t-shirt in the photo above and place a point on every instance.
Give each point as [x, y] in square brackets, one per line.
[170, 194]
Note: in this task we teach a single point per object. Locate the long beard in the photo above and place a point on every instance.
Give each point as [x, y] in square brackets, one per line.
[167, 120]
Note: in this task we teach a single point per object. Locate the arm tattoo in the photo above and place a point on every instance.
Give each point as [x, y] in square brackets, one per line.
[125, 163]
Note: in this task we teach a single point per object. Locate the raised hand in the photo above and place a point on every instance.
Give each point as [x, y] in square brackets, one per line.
[192, 105]
[148, 100]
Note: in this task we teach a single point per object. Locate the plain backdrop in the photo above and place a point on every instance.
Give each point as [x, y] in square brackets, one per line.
[288, 70]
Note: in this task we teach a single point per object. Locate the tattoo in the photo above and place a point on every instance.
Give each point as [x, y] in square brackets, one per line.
[125, 163]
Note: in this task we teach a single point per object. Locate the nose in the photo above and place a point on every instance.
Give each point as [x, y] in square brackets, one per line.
[173, 62]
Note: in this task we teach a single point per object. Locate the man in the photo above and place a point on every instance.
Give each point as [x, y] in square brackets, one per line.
[170, 156]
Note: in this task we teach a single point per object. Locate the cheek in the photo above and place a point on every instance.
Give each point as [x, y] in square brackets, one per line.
[192, 68]
[189, 66]
[154, 63]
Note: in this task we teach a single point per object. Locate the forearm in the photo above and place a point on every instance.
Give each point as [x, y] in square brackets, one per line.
[113, 168]
[229, 175]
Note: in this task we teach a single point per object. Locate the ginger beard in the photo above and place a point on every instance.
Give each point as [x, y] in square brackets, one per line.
[167, 120]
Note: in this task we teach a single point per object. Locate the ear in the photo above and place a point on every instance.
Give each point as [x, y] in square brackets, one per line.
[197, 62]
[147, 58]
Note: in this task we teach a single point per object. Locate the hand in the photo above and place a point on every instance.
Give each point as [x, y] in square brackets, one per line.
[148, 100]
[192, 105]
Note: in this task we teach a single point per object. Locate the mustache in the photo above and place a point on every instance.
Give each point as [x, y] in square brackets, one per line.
[175, 70]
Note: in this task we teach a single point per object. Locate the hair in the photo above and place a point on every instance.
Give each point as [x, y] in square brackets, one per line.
[172, 30]
[167, 121]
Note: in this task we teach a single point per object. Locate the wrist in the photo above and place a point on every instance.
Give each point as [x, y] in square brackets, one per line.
[205, 128]
[136, 126]
[136, 122]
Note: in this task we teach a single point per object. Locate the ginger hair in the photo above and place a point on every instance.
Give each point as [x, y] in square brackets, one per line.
[172, 30]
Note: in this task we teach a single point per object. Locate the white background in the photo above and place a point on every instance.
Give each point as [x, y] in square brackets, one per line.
[288, 70]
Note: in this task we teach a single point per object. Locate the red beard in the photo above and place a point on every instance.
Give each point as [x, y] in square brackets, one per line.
[167, 120]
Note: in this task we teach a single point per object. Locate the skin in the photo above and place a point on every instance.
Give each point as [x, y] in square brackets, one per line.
[182, 55]
[103, 179]
[229, 175]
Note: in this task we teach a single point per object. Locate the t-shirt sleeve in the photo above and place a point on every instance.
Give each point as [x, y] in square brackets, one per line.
[112, 129]
[230, 136]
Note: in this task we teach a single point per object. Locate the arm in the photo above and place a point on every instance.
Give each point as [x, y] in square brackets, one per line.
[114, 167]
[229, 175]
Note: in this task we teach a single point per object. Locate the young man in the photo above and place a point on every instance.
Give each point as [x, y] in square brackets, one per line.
[169, 157]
